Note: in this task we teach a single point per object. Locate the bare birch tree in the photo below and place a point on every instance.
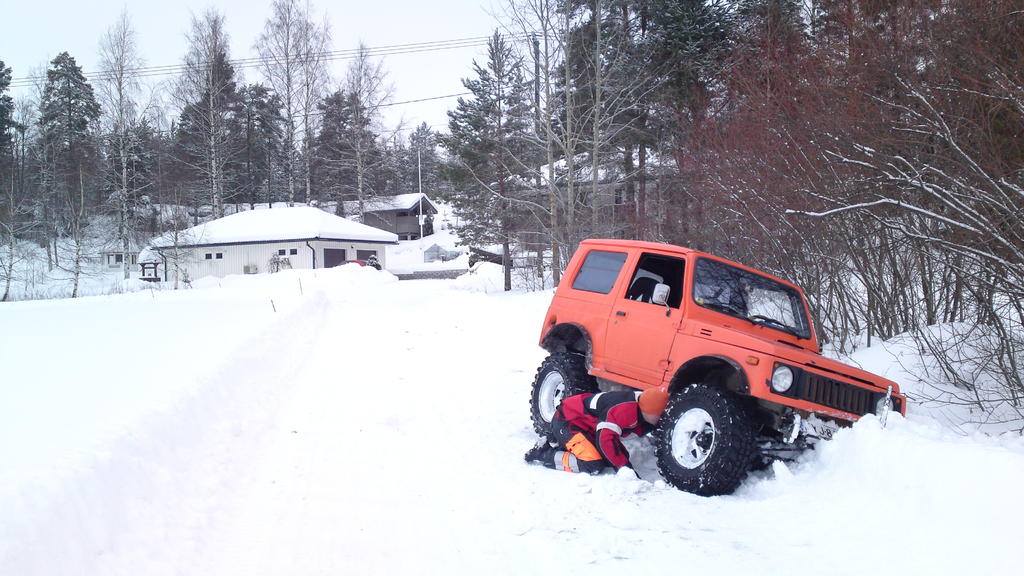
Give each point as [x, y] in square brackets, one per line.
[207, 90]
[582, 107]
[118, 91]
[543, 22]
[67, 122]
[366, 83]
[314, 45]
[293, 51]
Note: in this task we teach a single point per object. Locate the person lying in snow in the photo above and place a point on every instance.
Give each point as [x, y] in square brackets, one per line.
[587, 429]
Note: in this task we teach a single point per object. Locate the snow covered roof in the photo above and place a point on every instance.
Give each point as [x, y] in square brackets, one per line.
[384, 203]
[276, 224]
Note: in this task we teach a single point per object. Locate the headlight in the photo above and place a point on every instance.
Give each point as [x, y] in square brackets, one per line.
[782, 378]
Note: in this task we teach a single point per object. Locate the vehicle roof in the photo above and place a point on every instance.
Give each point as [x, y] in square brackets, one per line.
[644, 245]
[641, 244]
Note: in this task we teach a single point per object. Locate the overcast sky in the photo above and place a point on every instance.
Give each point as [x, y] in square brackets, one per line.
[34, 31]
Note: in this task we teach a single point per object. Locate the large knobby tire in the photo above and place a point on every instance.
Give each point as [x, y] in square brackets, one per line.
[561, 375]
[705, 441]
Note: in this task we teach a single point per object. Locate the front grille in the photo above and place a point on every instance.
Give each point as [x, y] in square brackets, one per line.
[835, 394]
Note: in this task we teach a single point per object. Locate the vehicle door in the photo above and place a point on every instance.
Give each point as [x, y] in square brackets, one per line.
[640, 332]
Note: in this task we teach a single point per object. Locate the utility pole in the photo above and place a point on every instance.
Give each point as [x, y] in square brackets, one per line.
[419, 203]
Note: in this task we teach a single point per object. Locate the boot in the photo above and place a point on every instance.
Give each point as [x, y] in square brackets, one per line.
[541, 452]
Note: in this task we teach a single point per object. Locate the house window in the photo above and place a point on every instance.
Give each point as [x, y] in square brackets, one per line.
[209, 256]
[282, 252]
[293, 251]
[220, 255]
[402, 214]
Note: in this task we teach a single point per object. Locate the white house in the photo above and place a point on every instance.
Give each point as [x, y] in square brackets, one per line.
[263, 240]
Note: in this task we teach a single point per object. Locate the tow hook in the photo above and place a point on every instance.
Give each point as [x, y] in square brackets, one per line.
[793, 429]
[887, 407]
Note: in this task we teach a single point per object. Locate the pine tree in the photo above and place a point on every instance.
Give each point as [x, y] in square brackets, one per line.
[488, 144]
[67, 122]
[393, 157]
[688, 42]
[687, 38]
[350, 160]
[632, 126]
[8, 201]
[6, 110]
[259, 121]
[423, 166]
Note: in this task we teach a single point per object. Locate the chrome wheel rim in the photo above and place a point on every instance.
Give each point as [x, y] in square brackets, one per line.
[693, 438]
[552, 388]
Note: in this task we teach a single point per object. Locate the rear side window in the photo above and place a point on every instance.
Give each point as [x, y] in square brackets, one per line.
[599, 272]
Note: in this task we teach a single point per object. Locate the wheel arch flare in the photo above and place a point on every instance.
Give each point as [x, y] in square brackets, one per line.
[718, 371]
[568, 337]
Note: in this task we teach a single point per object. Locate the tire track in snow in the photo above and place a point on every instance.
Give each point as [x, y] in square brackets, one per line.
[155, 495]
[375, 463]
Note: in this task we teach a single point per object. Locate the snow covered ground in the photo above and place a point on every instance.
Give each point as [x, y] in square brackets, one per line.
[341, 422]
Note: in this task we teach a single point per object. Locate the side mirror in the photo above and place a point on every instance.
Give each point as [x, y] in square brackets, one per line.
[660, 296]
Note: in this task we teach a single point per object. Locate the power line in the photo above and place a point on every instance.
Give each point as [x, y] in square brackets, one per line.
[313, 113]
[329, 56]
[425, 99]
[168, 69]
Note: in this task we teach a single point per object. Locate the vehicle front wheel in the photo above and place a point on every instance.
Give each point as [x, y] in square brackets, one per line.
[706, 442]
[561, 375]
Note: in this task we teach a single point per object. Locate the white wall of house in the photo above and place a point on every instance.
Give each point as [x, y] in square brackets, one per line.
[227, 259]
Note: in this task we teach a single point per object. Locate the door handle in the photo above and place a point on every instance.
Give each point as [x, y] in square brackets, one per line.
[620, 313]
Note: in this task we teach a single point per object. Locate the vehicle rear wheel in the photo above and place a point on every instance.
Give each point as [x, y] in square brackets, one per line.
[562, 374]
[706, 442]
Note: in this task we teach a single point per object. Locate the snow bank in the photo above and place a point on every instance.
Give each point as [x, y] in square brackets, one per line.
[982, 409]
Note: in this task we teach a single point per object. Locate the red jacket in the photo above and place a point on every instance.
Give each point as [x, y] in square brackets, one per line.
[604, 418]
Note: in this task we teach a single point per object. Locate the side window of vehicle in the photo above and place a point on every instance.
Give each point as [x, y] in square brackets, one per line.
[599, 272]
[654, 269]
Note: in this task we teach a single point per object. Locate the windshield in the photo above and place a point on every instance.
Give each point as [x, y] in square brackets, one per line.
[750, 296]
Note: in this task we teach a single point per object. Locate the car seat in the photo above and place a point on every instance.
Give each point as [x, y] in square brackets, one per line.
[642, 289]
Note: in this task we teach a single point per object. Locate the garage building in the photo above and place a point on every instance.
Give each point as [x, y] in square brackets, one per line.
[263, 240]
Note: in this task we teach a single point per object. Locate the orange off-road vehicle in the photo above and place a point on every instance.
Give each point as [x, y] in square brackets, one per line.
[736, 348]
